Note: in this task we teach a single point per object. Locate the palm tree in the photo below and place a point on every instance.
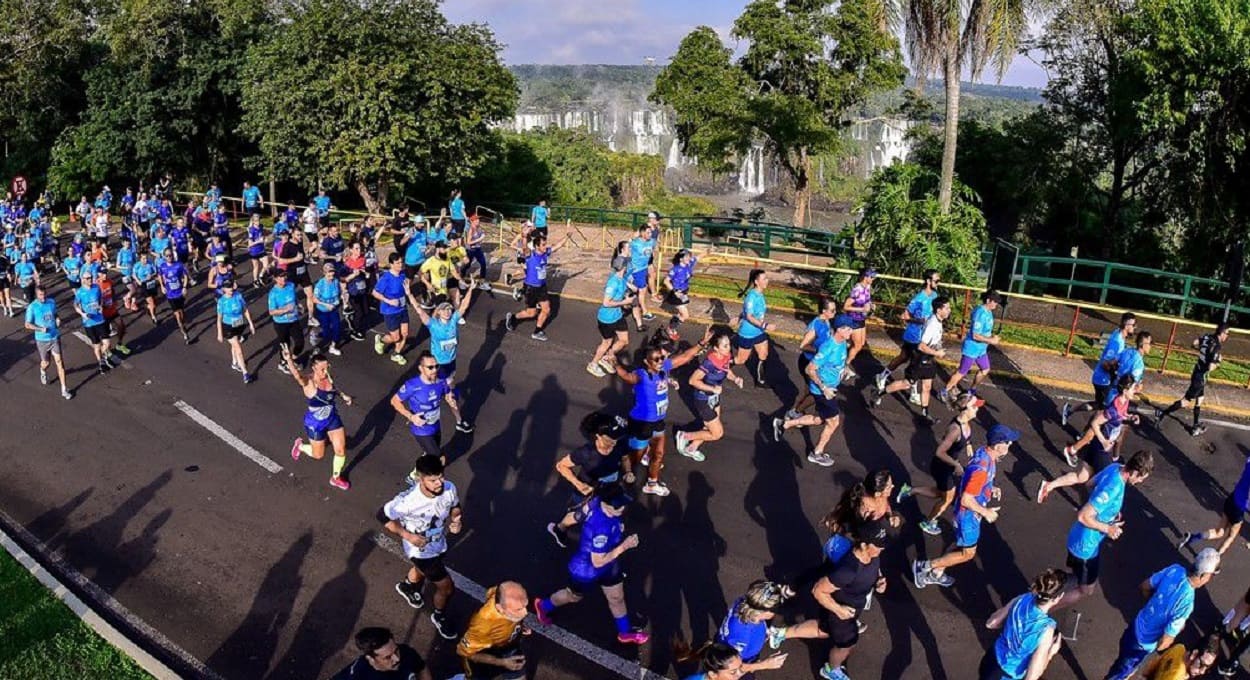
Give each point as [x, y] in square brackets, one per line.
[945, 36]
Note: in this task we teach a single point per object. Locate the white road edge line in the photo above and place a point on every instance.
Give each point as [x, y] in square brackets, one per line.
[87, 341]
[88, 616]
[224, 435]
[1206, 421]
[570, 641]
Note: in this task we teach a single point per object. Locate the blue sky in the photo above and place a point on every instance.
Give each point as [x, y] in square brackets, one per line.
[619, 31]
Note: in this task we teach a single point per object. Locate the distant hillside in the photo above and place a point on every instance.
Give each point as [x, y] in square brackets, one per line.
[558, 88]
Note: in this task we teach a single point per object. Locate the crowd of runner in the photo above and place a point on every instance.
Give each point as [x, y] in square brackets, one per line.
[326, 286]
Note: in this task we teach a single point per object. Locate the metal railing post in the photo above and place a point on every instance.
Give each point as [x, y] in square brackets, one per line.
[1189, 283]
[1106, 281]
[1167, 351]
[1076, 314]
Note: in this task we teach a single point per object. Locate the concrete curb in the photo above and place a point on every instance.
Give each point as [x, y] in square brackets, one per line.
[110, 619]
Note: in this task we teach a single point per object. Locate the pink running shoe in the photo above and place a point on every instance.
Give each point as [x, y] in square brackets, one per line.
[340, 483]
[295, 449]
[633, 637]
[542, 616]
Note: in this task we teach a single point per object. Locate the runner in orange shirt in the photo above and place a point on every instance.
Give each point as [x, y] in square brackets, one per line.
[111, 316]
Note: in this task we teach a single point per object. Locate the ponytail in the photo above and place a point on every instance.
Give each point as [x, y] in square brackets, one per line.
[751, 279]
[713, 657]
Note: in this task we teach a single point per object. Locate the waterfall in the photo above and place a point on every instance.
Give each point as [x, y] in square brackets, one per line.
[751, 172]
[674, 155]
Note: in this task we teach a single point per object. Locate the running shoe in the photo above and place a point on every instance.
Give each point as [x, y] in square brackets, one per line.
[442, 626]
[186, 338]
[904, 492]
[282, 367]
[464, 426]
[340, 483]
[1197, 430]
[875, 398]
[1065, 413]
[399, 359]
[1188, 539]
[820, 458]
[1158, 415]
[880, 380]
[678, 437]
[43, 377]
[779, 429]
[484, 287]
[509, 321]
[248, 378]
[776, 636]
[930, 527]
[646, 458]
[295, 449]
[944, 580]
[125, 351]
[860, 626]
[608, 368]
[595, 370]
[792, 414]
[1229, 668]
[1042, 492]
[357, 335]
[516, 294]
[539, 335]
[66, 394]
[108, 361]
[695, 455]
[557, 534]
[759, 376]
[918, 569]
[1069, 456]
[655, 488]
[539, 613]
[914, 396]
[378, 346]
[633, 637]
[411, 594]
[234, 366]
[334, 351]
[103, 367]
[828, 672]
[312, 321]
[648, 317]
[460, 321]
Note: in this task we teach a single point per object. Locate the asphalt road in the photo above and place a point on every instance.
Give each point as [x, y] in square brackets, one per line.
[265, 575]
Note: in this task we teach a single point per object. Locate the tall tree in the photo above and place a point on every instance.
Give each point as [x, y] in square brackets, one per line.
[374, 94]
[945, 37]
[807, 65]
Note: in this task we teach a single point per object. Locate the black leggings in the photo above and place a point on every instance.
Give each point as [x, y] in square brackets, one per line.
[360, 312]
[291, 335]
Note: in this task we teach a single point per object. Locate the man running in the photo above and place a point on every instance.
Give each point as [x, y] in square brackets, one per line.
[640, 253]
[598, 464]
[284, 313]
[537, 300]
[393, 295]
[1132, 361]
[843, 592]
[976, 491]
[1106, 367]
[1232, 516]
[381, 657]
[422, 516]
[617, 296]
[817, 333]
[922, 367]
[1208, 360]
[490, 648]
[915, 318]
[823, 374]
[41, 318]
[89, 303]
[175, 279]
[976, 347]
[418, 403]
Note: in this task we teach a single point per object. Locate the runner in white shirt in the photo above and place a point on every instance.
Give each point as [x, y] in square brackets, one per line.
[923, 367]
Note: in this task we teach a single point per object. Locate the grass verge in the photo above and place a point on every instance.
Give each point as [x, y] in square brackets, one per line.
[40, 638]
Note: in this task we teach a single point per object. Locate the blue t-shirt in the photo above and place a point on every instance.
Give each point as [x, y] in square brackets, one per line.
[1167, 609]
[125, 260]
[144, 272]
[919, 309]
[327, 294]
[651, 394]
[1115, 345]
[90, 300]
[536, 268]
[72, 265]
[255, 240]
[172, 274]
[538, 216]
[615, 290]
[1022, 633]
[322, 204]
[251, 196]
[456, 208]
[1132, 363]
[231, 307]
[444, 337]
[1107, 497]
[753, 305]
[159, 244]
[414, 251]
[332, 247]
[820, 327]
[425, 399]
[640, 250]
[1241, 492]
[715, 370]
[391, 286]
[747, 638]
[600, 534]
[283, 296]
[43, 314]
[680, 275]
[983, 325]
[829, 361]
[181, 236]
[25, 272]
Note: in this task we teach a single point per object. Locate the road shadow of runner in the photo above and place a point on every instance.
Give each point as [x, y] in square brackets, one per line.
[330, 618]
[247, 651]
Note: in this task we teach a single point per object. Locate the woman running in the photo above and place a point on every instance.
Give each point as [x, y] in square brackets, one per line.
[1029, 639]
[321, 420]
[328, 294]
[859, 305]
[618, 294]
[823, 374]
[231, 314]
[146, 285]
[678, 283]
[719, 661]
[752, 328]
[818, 331]
[474, 242]
[598, 464]
[865, 501]
[708, 381]
[944, 467]
[221, 276]
[256, 251]
[597, 562]
[646, 419]
[1107, 427]
[444, 327]
[746, 628]
[356, 280]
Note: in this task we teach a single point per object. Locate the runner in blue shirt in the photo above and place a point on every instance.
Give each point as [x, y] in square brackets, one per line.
[145, 284]
[419, 402]
[746, 627]
[221, 229]
[174, 282]
[234, 322]
[640, 254]
[1132, 361]
[212, 197]
[1171, 601]
[327, 303]
[252, 200]
[256, 251]
[539, 215]
[814, 337]
[41, 318]
[597, 562]
[1030, 637]
[650, 384]
[321, 421]
[718, 661]
[707, 385]
[1108, 427]
[283, 308]
[455, 208]
[915, 315]
[416, 247]
[537, 300]
[678, 284]
[393, 295]
[444, 327]
[72, 266]
[618, 295]
[27, 275]
[1232, 516]
[752, 328]
[1105, 369]
[823, 374]
[89, 303]
[290, 216]
[1100, 518]
[976, 346]
[323, 205]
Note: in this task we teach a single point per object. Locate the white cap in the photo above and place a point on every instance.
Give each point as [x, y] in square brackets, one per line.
[1207, 562]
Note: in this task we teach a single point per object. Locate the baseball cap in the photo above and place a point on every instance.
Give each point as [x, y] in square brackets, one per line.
[868, 272]
[619, 262]
[616, 497]
[843, 321]
[279, 272]
[220, 259]
[1001, 433]
[873, 532]
[968, 398]
[1208, 561]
